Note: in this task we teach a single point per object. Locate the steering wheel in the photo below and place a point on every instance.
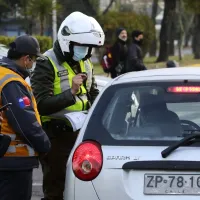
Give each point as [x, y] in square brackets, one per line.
[192, 125]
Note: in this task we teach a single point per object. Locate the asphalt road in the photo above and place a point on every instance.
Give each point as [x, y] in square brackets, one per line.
[37, 184]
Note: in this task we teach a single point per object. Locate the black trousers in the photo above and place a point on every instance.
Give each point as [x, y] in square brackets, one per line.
[16, 185]
[54, 163]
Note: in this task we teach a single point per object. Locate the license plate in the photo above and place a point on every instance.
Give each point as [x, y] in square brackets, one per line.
[172, 184]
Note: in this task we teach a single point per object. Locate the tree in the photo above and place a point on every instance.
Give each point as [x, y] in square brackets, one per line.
[194, 8]
[179, 11]
[8, 6]
[166, 29]
[153, 47]
[130, 21]
[3, 8]
[40, 9]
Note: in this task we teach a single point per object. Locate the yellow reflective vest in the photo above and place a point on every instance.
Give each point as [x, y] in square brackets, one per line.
[17, 147]
[63, 81]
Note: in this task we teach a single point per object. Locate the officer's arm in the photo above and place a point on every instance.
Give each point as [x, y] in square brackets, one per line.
[93, 91]
[21, 116]
[42, 82]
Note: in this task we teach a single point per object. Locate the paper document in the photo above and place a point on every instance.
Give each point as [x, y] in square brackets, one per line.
[76, 119]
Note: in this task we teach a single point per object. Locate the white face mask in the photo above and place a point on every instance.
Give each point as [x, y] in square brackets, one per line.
[33, 66]
[30, 70]
[80, 52]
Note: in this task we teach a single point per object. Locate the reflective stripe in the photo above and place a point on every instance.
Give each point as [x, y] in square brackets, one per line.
[8, 76]
[13, 136]
[65, 81]
[88, 67]
[13, 149]
[30, 150]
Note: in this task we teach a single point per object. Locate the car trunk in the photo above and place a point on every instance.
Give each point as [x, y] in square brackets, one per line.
[141, 173]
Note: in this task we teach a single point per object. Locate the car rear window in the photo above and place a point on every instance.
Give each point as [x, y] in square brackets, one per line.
[153, 113]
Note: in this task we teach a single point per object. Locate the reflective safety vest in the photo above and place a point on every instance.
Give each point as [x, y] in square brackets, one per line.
[63, 81]
[17, 146]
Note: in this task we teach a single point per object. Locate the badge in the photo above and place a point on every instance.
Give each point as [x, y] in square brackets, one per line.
[62, 73]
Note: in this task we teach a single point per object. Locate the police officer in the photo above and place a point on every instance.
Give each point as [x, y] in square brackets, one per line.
[21, 122]
[65, 83]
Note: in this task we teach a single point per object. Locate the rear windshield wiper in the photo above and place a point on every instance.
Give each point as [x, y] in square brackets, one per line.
[184, 141]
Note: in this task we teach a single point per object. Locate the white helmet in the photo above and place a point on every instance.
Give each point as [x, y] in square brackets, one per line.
[82, 29]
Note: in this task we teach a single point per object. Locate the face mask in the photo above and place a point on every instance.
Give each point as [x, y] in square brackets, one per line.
[80, 52]
[139, 42]
[33, 66]
[30, 70]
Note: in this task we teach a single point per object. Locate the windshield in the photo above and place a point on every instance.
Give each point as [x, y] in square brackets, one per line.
[142, 112]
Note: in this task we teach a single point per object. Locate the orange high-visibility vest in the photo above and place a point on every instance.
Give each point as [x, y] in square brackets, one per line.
[17, 147]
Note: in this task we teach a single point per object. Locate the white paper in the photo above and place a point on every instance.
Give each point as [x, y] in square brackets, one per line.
[76, 119]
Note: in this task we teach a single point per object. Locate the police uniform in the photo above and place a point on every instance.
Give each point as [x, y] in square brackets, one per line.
[21, 122]
[51, 82]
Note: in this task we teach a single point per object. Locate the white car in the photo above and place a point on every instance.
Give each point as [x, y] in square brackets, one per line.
[152, 153]
[3, 51]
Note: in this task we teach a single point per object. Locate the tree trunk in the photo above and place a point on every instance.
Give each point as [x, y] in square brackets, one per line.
[41, 27]
[153, 47]
[171, 41]
[196, 39]
[108, 7]
[187, 38]
[166, 29]
[181, 31]
[188, 31]
[89, 7]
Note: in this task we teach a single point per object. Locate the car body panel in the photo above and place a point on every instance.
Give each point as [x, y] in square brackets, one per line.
[3, 51]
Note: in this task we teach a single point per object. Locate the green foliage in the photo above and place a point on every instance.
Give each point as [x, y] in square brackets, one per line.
[192, 6]
[45, 42]
[40, 8]
[95, 4]
[129, 20]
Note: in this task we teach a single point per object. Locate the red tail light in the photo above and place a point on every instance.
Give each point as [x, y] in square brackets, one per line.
[87, 161]
[184, 89]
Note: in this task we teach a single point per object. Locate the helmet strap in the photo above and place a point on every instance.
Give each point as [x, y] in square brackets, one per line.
[89, 54]
[71, 49]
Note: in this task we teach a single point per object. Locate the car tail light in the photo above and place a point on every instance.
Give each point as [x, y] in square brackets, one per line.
[184, 89]
[87, 161]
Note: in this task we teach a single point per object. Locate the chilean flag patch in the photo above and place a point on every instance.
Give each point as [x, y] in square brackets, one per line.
[24, 102]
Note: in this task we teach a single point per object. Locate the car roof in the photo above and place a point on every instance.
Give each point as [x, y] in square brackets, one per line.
[164, 74]
[102, 80]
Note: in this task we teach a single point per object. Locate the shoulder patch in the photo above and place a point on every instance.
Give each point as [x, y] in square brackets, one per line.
[24, 102]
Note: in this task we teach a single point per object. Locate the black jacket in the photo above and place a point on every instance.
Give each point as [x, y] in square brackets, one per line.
[42, 82]
[22, 120]
[134, 61]
[119, 53]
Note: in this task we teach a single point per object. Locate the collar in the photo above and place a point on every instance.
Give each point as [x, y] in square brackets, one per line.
[10, 64]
